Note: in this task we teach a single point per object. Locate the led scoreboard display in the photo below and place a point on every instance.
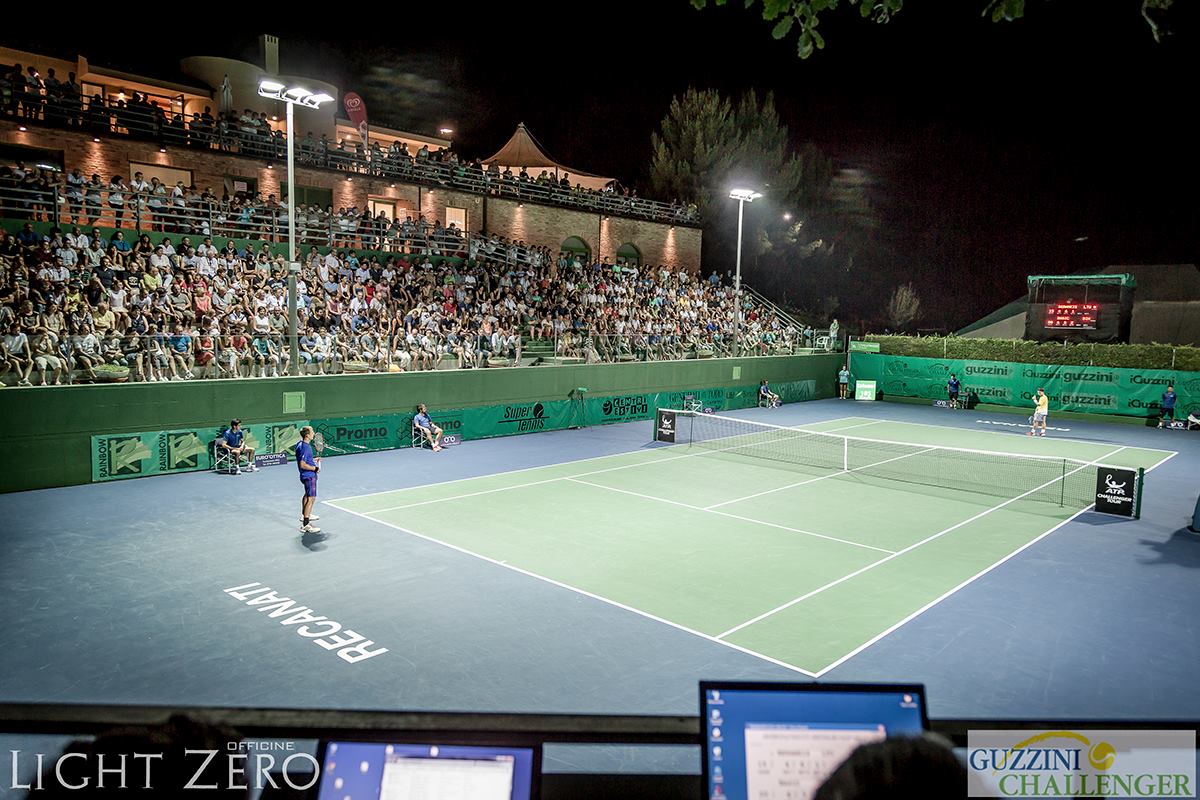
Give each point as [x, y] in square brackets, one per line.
[1072, 316]
[1080, 308]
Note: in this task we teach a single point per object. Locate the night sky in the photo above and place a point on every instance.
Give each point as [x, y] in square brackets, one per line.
[986, 148]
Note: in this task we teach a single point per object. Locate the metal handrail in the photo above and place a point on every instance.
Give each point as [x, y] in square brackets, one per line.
[99, 117]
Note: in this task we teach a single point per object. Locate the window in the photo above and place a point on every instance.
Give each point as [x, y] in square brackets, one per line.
[237, 183]
[384, 204]
[575, 246]
[456, 217]
[166, 175]
[307, 195]
[628, 253]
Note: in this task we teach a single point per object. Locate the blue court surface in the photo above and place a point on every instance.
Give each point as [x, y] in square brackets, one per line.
[155, 591]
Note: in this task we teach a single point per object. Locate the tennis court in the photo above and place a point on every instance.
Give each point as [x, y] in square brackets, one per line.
[801, 545]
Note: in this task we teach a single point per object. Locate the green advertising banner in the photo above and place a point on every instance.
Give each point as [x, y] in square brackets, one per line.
[135, 455]
[1101, 390]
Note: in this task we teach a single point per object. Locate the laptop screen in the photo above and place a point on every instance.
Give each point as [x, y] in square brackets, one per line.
[771, 741]
[430, 771]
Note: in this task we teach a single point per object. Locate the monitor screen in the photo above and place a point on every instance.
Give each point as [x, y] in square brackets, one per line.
[779, 741]
[426, 771]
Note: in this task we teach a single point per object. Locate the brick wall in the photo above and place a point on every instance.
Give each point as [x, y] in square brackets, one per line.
[675, 246]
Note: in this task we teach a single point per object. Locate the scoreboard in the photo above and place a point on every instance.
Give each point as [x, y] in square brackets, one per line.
[1079, 308]
[1072, 316]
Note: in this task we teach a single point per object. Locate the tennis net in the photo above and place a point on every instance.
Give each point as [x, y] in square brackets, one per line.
[1050, 479]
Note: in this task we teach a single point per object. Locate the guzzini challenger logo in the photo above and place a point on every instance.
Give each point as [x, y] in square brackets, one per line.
[1089, 763]
[527, 417]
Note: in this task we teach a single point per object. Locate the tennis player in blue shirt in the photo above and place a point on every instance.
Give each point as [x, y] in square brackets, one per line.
[232, 440]
[431, 432]
[309, 465]
[952, 389]
[1167, 406]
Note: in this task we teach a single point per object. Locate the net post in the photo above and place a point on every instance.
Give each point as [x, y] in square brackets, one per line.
[845, 454]
[1137, 503]
[1062, 486]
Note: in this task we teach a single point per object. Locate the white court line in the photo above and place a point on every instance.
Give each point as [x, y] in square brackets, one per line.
[1009, 435]
[563, 463]
[819, 478]
[969, 580]
[731, 516]
[577, 590]
[550, 480]
[913, 546]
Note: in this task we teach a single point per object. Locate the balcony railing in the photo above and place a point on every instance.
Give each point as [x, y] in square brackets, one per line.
[98, 117]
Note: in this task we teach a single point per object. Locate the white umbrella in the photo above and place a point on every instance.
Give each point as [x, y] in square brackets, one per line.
[226, 96]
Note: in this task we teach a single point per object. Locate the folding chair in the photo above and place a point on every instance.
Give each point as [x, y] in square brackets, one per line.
[224, 462]
[417, 436]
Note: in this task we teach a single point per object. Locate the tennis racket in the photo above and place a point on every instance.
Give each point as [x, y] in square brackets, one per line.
[318, 444]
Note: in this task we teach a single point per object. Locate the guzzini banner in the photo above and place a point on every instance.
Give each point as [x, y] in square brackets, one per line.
[1101, 390]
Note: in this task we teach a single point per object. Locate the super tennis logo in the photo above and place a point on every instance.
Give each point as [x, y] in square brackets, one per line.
[530, 417]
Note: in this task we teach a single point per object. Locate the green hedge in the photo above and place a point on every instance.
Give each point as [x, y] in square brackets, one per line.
[1144, 356]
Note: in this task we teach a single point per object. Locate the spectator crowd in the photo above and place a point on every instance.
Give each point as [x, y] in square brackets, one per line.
[79, 305]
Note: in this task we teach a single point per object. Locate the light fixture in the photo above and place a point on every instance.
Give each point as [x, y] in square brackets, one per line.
[745, 195]
[392, 185]
[270, 166]
[96, 139]
[520, 205]
[348, 179]
[295, 95]
[787, 217]
[445, 131]
[22, 129]
[162, 149]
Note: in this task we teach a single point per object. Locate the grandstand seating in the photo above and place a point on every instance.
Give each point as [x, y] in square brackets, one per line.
[83, 303]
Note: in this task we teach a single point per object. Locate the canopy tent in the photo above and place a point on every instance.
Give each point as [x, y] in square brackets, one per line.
[523, 151]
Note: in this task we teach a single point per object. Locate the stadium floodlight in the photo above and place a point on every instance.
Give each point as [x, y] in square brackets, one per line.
[743, 196]
[291, 97]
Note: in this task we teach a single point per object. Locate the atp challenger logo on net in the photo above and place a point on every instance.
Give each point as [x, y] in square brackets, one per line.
[240, 765]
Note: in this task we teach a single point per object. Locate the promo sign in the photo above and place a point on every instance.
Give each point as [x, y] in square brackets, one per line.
[664, 426]
[449, 439]
[1116, 491]
[864, 390]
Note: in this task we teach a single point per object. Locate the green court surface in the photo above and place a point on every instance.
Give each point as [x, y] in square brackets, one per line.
[801, 565]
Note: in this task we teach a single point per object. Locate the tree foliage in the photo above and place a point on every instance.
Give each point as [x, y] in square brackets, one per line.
[706, 142]
[804, 16]
[903, 306]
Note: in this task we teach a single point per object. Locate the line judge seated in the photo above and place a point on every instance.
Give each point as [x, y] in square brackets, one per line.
[232, 441]
[431, 432]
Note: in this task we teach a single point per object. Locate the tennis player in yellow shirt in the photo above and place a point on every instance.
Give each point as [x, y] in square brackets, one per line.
[1039, 414]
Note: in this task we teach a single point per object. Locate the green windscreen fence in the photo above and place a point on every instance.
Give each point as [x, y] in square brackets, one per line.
[1099, 390]
[135, 455]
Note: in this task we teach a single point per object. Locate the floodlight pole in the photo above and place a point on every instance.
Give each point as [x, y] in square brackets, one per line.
[293, 319]
[737, 283]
